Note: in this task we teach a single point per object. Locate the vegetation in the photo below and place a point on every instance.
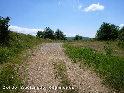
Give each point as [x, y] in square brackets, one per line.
[77, 37]
[4, 32]
[110, 68]
[11, 46]
[121, 37]
[107, 31]
[59, 35]
[49, 34]
[10, 57]
[62, 74]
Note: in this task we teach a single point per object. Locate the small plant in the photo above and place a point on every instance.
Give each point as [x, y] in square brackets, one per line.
[108, 50]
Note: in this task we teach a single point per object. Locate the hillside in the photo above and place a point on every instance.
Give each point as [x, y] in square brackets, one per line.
[10, 57]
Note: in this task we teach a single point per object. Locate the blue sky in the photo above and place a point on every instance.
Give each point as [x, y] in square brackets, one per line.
[82, 17]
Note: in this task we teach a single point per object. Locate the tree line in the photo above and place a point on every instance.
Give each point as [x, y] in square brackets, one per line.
[50, 34]
[107, 31]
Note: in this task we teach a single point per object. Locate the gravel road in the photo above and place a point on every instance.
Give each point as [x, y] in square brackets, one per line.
[41, 71]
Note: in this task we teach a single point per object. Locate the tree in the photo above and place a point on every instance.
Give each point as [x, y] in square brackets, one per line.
[59, 35]
[77, 37]
[48, 33]
[107, 31]
[4, 32]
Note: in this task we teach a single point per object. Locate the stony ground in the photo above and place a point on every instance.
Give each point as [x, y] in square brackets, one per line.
[41, 71]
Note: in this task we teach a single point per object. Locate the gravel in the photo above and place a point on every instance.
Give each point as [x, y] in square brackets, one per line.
[41, 71]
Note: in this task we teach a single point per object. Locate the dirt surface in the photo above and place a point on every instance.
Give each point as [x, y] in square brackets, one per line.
[41, 71]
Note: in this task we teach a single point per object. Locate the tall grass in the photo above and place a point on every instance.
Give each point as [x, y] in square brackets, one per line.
[61, 72]
[10, 57]
[18, 43]
[110, 68]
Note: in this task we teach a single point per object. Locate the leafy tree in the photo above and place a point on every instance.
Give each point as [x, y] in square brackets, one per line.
[107, 31]
[4, 32]
[59, 35]
[77, 37]
[48, 33]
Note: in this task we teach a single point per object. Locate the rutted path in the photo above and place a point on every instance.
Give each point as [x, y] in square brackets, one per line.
[41, 71]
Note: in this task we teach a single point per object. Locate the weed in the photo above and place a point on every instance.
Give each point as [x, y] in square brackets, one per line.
[108, 50]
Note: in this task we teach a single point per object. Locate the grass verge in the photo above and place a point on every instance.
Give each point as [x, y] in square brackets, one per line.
[11, 58]
[62, 74]
[110, 68]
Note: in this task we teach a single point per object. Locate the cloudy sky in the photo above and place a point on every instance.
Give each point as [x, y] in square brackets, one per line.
[82, 17]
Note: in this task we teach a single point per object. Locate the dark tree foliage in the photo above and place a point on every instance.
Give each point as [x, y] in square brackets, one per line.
[77, 37]
[4, 32]
[107, 31]
[48, 33]
[121, 34]
[59, 35]
[40, 34]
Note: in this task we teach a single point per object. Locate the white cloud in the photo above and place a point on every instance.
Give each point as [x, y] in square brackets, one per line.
[121, 25]
[94, 7]
[80, 6]
[24, 30]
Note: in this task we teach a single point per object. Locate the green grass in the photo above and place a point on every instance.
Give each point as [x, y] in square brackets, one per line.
[105, 47]
[8, 77]
[62, 74]
[17, 44]
[11, 56]
[110, 68]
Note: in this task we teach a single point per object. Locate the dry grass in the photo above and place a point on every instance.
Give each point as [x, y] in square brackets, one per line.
[99, 47]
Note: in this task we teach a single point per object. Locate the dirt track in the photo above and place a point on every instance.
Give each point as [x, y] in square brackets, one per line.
[41, 71]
